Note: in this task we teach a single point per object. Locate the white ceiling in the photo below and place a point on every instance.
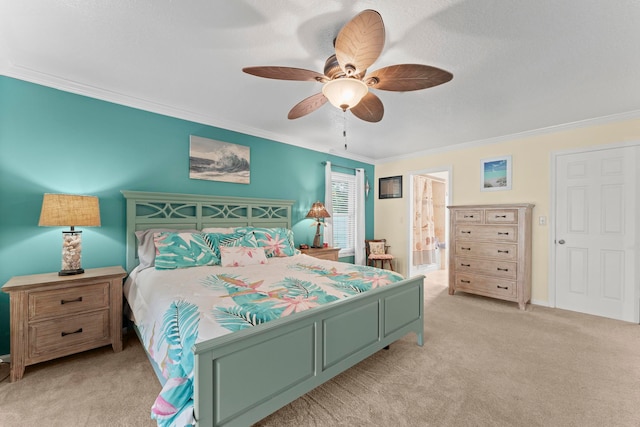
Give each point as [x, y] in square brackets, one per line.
[518, 65]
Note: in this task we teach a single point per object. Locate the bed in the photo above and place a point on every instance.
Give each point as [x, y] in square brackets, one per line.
[305, 349]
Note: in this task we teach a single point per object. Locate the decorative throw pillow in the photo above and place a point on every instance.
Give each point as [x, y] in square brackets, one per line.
[376, 248]
[182, 250]
[235, 239]
[240, 256]
[277, 242]
[146, 246]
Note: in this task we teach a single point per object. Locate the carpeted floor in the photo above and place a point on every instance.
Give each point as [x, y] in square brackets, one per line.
[484, 363]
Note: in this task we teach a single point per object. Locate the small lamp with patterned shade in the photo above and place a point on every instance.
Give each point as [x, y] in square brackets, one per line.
[317, 211]
[70, 210]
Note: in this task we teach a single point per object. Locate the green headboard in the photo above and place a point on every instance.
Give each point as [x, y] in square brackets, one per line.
[196, 211]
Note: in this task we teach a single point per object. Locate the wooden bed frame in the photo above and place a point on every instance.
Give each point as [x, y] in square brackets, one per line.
[241, 378]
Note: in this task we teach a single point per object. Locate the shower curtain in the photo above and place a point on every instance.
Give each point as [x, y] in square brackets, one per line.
[425, 244]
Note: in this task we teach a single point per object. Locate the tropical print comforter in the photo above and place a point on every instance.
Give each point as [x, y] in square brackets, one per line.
[174, 309]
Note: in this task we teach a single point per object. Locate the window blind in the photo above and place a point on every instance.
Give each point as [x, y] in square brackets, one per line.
[343, 190]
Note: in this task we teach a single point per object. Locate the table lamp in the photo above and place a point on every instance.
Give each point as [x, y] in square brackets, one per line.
[70, 210]
[317, 211]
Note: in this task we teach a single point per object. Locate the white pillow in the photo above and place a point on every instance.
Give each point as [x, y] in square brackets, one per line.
[239, 256]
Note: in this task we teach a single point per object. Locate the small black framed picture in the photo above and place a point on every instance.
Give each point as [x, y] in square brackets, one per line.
[390, 187]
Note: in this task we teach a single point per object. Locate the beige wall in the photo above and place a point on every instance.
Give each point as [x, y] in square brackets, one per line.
[531, 158]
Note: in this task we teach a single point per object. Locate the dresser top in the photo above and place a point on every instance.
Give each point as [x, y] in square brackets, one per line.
[499, 206]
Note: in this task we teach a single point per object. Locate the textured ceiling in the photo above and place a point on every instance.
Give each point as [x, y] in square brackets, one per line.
[518, 65]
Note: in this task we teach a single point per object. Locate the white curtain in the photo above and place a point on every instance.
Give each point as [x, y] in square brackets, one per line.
[328, 204]
[424, 239]
[360, 257]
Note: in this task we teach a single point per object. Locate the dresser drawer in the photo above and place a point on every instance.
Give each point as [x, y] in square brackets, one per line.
[495, 233]
[501, 216]
[502, 251]
[66, 334]
[58, 302]
[472, 216]
[504, 269]
[488, 286]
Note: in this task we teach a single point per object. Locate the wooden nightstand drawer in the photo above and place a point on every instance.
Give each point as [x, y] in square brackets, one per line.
[330, 254]
[68, 335]
[60, 302]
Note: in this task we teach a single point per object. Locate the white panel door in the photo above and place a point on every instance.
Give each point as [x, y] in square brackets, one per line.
[595, 269]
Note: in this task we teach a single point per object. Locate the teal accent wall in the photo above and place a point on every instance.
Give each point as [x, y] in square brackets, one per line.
[58, 142]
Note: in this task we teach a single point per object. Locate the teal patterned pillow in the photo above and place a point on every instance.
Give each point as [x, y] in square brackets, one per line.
[277, 242]
[234, 239]
[182, 250]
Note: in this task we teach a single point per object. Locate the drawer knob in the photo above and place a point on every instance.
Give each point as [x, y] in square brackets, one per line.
[503, 233]
[468, 216]
[64, 334]
[465, 265]
[501, 216]
[502, 252]
[503, 269]
[502, 287]
[67, 301]
[465, 281]
[465, 249]
[465, 232]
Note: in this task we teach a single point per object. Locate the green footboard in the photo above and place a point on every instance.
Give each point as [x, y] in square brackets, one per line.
[242, 377]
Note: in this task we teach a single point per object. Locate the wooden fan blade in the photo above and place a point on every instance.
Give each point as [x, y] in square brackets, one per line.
[369, 109]
[307, 105]
[285, 73]
[360, 42]
[406, 77]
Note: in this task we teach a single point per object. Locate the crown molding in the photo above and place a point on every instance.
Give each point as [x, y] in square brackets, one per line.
[629, 115]
[49, 80]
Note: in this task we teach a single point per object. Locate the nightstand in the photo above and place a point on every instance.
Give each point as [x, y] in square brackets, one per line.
[323, 253]
[54, 316]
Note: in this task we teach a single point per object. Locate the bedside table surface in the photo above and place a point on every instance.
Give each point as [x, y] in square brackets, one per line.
[23, 282]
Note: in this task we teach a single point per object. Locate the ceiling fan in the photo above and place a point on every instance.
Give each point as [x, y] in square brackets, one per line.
[345, 80]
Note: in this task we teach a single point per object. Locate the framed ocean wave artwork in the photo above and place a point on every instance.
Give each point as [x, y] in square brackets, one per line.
[218, 161]
[495, 174]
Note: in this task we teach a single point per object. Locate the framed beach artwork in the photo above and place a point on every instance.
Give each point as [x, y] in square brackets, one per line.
[495, 174]
[218, 161]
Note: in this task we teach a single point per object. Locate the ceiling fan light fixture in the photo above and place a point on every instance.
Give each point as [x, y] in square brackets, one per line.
[345, 93]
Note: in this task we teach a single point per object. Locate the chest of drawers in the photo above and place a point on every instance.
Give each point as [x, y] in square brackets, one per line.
[491, 251]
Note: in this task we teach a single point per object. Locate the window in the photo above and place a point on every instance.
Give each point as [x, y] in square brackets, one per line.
[343, 191]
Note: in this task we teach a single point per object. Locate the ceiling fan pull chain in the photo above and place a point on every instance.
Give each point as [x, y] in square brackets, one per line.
[344, 128]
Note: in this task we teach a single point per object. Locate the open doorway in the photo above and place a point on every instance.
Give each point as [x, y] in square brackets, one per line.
[429, 194]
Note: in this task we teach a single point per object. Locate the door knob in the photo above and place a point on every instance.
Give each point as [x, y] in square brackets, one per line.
[561, 241]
